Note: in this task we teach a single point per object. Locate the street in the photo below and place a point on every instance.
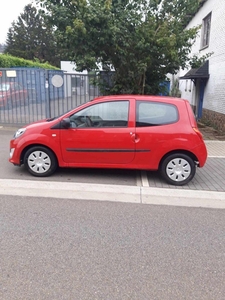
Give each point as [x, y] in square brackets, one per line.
[71, 249]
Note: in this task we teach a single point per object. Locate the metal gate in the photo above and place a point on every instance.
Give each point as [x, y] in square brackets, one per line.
[30, 94]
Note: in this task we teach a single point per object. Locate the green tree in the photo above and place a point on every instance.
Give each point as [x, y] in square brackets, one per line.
[31, 37]
[142, 40]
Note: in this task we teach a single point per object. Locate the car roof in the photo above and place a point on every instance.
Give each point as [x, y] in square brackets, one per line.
[139, 97]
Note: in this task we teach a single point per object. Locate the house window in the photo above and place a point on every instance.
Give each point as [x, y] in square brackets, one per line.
[206, 30]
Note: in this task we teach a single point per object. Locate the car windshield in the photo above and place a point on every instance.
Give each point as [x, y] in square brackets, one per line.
[4, 87]
[53, 118]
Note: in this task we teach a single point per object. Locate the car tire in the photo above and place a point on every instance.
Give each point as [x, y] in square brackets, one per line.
[178, 169]
[40, 161]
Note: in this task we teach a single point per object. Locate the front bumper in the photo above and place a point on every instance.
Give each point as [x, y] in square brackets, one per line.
[14, 153]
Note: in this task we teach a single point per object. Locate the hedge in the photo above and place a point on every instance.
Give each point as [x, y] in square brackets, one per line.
[9, 61]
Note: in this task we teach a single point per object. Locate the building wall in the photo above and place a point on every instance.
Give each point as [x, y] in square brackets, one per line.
[70, 67]
[214, 96]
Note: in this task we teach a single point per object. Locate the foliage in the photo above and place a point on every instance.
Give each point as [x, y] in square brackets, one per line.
[175, 91]
[141, 40]
[8, 61]
[31, 37]
[197, 62]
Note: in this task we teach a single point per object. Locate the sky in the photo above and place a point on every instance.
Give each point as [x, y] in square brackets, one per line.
[9, 12]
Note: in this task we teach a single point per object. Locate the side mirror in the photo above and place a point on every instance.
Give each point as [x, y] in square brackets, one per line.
[65, 123]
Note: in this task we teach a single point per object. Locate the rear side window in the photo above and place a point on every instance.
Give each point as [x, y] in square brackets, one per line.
[155, 113]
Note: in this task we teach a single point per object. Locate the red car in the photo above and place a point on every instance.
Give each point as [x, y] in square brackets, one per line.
[12, 93]
[125, 131]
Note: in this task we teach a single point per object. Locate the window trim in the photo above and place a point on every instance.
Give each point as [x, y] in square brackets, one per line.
[99, 103]
[138, 102]
[206, 29]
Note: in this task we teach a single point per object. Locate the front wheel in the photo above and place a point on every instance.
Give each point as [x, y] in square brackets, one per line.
[40, 161]
[178, 169]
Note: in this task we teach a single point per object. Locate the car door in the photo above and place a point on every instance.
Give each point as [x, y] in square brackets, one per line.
[99, 134]
[154, 130]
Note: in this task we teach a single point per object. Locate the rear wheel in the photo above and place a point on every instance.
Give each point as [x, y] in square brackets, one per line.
[40, 161]
[178, 169]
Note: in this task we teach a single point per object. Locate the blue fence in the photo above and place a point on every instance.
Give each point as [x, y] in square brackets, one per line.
[31, 94]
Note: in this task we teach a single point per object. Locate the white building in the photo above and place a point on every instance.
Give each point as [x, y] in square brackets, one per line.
[205, 87]
[74, 82]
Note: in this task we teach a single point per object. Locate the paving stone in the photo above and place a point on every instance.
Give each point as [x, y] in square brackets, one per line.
[209, 178]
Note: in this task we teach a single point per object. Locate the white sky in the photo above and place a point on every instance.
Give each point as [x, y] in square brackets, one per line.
[9, 12]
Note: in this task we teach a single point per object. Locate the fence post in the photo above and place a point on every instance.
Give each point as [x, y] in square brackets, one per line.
[47, 92]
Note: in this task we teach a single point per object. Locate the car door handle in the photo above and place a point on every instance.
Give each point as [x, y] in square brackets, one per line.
[135, 138]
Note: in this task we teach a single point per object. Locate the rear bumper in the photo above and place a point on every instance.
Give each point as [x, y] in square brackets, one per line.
[201, 153]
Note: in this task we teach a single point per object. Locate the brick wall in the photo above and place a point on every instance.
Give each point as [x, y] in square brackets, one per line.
[214, 119]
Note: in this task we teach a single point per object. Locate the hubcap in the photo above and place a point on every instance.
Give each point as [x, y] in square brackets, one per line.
[178, 169]
[39, 162]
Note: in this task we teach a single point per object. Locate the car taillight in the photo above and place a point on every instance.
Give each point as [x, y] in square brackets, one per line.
[198, 132]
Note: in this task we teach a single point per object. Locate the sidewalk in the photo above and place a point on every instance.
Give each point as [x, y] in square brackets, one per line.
[209, 178]
[215, 148]
[114, 193]
[209, 133]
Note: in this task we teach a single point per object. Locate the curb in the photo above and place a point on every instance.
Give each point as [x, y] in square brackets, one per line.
[113, 193]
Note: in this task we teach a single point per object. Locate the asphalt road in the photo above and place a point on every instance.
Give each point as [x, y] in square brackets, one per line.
[84, 250]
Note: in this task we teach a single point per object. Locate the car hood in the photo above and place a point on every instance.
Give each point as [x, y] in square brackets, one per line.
[41, 123]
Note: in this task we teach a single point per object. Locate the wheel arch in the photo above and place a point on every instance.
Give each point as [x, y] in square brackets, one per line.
[36, 145]
[189, 153]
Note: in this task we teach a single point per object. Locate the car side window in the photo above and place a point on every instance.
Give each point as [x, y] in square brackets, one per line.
[106, 114]
[155, 113]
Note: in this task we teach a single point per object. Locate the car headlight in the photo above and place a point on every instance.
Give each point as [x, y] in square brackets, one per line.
[19, 132]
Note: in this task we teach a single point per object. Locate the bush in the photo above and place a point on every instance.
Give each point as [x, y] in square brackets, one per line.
[8, 61]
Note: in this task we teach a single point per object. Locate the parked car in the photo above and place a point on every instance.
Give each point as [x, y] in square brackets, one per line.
[125, 131]
[12, 93]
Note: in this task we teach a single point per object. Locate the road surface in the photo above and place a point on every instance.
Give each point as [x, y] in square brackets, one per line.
[71, 249]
